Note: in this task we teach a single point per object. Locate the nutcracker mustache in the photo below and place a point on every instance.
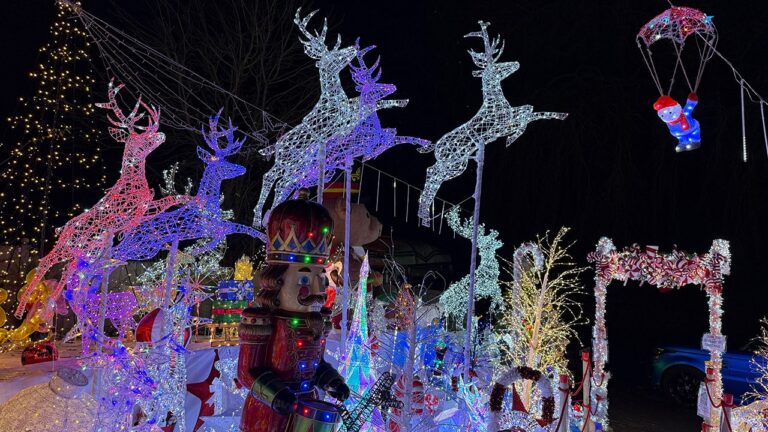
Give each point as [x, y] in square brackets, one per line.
[311, 299]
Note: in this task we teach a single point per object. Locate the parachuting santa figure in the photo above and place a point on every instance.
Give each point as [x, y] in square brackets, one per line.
[282, 339]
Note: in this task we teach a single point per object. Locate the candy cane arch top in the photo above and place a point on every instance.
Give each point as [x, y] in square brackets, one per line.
[89, 235]
[665, 271]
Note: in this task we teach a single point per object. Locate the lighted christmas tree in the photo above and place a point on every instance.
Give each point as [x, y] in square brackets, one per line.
[358, 366]
[56, 157]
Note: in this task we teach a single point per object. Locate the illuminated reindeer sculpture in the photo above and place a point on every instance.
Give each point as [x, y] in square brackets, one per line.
[368, 139]
[199, 218]
[495, 119]
[89, 236]
[298, 151]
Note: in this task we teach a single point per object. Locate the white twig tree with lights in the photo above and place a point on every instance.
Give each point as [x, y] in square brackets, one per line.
[544, 311]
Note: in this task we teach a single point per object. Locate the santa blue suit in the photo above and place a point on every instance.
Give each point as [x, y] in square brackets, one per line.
[686, 129]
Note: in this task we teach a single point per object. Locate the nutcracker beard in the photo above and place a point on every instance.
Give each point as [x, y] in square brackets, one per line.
[282, 342]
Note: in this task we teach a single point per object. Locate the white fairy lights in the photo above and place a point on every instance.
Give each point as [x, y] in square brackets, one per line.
[301, 151]
[497, 118]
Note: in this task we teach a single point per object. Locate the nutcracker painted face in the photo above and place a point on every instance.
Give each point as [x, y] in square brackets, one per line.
[304, 288]
[300, 235]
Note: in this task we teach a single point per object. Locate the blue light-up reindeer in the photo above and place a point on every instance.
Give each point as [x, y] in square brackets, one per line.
[496, 118]
[297, 152]
[368, 139]
[202, 216]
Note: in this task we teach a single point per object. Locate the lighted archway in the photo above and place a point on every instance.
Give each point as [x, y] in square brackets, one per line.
[665, 271]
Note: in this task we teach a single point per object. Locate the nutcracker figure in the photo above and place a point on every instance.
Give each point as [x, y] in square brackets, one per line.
[282, 338]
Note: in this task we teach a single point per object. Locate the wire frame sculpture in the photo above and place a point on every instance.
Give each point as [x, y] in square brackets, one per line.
[497, 118]
[455, 298]
[369, 139]
[126, 204]
[300, 153]
[202, 216]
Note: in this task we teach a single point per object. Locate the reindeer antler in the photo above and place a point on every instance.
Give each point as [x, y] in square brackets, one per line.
[314, 46]
[127, 124]
[212, 137]
[492, 50]
[362, 73]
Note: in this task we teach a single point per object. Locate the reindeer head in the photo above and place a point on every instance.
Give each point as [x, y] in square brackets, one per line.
[222, 168]
[329, 61]
[490, 70]
[366, 78]
[139, 140]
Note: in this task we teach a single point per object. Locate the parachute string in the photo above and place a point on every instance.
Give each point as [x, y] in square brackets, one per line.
[705, 54]
[743, 125]
[651, 67]
[765, 133]
[679, 62]
[752, 94]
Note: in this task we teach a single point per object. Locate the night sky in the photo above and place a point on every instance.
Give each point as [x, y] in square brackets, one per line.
[608, 170]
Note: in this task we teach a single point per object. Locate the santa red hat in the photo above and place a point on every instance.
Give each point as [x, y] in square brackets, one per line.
[664, 102]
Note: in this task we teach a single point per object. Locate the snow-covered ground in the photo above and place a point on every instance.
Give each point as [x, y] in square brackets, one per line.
[15, 377]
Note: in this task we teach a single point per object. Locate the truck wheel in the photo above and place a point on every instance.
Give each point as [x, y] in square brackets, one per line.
[681, 383]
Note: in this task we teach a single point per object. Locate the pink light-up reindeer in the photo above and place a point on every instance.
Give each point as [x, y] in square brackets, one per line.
[496, 118]
[89, 235]
[202, 216]
[298, 151]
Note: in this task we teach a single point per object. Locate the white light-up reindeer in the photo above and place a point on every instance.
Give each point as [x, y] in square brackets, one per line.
[298, 151]
[495, 119]
[455, 298]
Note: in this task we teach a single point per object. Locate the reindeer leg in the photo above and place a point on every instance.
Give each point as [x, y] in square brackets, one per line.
[284, 189]
[236, 228]
[436, 175]
[206, 247]
[425, 146]
[392, 103]
[42, 269]
[268, 182]
[164, 203]
[431, 185]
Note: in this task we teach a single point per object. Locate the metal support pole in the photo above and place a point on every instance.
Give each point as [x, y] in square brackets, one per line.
[473, 261]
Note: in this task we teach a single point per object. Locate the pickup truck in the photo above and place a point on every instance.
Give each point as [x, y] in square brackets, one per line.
[678, 370]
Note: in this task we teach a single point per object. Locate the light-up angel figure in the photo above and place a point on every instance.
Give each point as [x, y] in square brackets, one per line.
[202, 216]
[680, 121]
[89, 235]
[455, 298]
[298, 152]
[495, 119]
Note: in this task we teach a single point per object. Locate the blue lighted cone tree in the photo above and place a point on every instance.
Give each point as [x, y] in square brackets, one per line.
[497, 118]
[358, 366]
